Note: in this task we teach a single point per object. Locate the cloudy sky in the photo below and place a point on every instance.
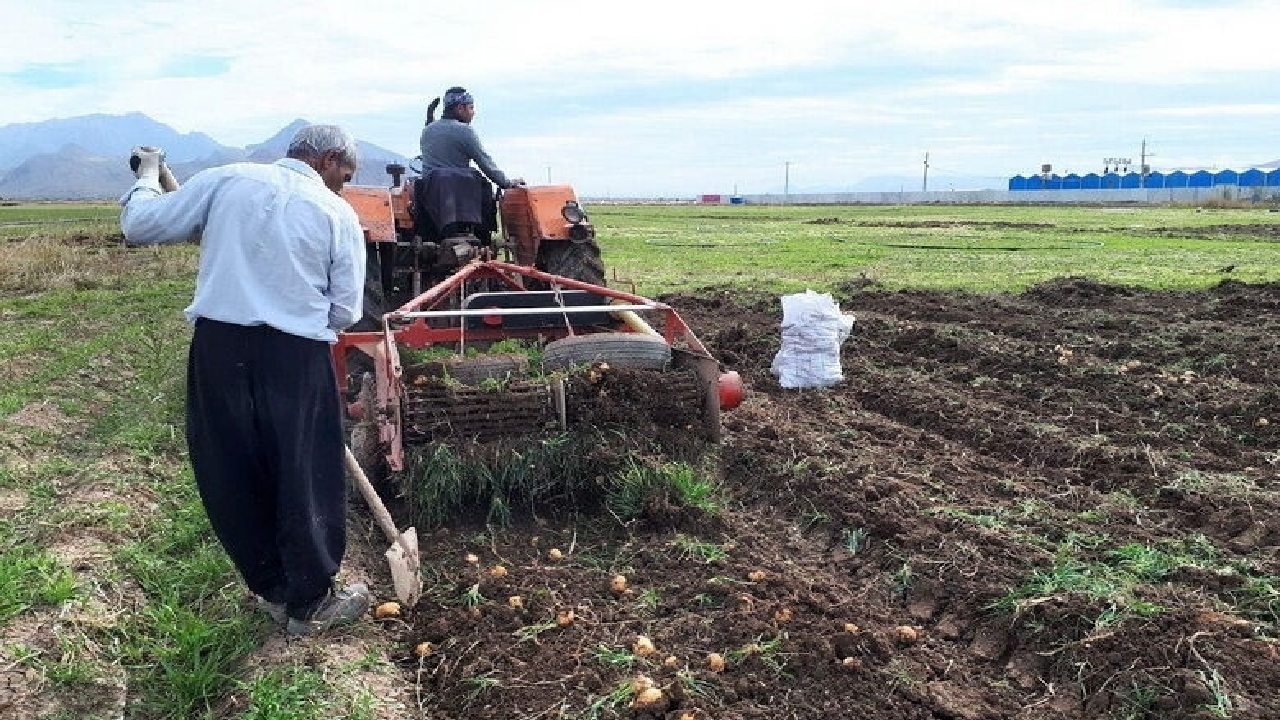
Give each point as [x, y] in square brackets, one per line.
[668, 97]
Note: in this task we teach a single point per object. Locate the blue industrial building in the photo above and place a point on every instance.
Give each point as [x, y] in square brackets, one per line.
[1253, 177]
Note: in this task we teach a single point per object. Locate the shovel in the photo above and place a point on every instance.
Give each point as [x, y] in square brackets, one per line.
[402, 556]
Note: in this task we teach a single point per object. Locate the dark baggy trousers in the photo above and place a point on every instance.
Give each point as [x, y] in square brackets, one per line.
[264, 431]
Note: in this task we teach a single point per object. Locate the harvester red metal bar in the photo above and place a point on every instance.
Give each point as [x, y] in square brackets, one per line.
[416, 333]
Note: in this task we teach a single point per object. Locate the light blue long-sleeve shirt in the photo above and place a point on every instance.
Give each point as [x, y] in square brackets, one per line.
[277, 247]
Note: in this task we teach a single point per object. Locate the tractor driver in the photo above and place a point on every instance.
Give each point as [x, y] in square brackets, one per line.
[450, 142]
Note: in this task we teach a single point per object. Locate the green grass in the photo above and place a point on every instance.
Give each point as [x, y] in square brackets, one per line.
[664, 249]
[612, 657]
[620, 695]
[30, 577]
[639, 486]
[112, 360]
[443, 480]
[293, 693]
[45, 214]
[1112, 581]
[698, 550]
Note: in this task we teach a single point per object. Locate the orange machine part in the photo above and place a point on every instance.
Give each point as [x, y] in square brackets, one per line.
[373, 206]
[531, 215]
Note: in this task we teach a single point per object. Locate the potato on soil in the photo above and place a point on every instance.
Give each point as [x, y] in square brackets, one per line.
[498, 571]
[715, 662]
[640, 683]
[386, 611]
[516, 602]
[555, 554]
[423, 649]
[618, 584]
[906, 635]
[564, 618]
[644, 646]
[650, 699]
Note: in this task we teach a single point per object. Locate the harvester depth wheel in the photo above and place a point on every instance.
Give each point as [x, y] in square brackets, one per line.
[576, 261]
[629, 350]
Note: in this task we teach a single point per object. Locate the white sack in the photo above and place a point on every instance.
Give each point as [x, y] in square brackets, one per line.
[813, 329]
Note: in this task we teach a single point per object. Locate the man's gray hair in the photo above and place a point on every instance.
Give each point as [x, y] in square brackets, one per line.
[312, 141]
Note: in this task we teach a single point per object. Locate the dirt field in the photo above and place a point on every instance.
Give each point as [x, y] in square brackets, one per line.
[1060, 504]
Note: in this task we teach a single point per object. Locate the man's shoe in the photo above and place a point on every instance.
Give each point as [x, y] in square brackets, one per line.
[340, 608]
[279, 614]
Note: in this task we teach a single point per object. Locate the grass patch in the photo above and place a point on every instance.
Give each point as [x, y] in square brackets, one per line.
[642, 487]
[30, 577]
[495, 479]
[616, 658]
[700, 551]
[443, 482]
[1110, 582]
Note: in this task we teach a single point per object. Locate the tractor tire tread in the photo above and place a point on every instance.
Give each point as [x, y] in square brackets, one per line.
[629, 350]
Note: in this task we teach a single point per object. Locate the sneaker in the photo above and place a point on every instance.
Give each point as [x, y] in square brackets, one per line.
[340, 608]
[279, 614]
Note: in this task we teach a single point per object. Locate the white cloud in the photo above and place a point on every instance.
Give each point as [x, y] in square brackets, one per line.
[677, 94]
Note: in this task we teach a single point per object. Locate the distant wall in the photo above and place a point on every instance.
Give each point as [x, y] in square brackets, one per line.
[960, 197]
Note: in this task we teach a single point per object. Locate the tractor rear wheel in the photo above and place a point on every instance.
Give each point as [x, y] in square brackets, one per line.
[630, 350]
[573, 260]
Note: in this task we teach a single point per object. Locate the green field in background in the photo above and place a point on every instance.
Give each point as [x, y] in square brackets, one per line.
[664, 248]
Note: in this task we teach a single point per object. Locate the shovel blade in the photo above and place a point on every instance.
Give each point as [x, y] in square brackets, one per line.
[406, 568]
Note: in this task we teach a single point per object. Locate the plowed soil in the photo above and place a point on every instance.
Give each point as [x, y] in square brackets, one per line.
[1057, 504]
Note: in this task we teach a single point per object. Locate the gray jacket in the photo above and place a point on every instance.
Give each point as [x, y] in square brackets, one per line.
[450, 143]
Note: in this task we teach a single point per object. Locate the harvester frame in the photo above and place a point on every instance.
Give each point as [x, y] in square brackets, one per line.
[426, 320]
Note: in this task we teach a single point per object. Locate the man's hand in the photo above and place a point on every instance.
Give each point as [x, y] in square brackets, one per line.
[145, 161]
[168, 182]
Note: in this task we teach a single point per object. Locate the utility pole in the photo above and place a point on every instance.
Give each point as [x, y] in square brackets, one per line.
[1142, 166]
[786, 182]
[924, 186]
[548, 174]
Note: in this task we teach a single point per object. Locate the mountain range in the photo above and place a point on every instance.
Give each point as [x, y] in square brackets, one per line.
[85, 157]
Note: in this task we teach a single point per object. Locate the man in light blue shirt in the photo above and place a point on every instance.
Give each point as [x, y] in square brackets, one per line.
[282, 260]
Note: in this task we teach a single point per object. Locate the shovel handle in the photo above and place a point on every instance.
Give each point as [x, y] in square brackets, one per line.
[375, 503]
